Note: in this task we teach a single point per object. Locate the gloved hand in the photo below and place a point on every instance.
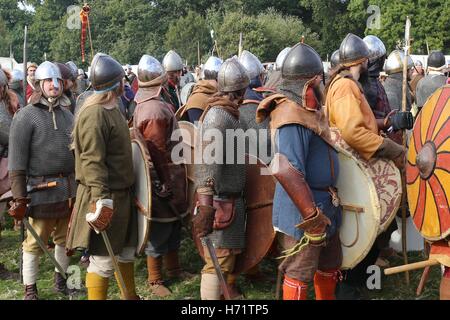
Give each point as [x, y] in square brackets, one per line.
[316, 225]
[203, 220]
[18, 208]
[101, 214]
[399, 120]
[400, 161]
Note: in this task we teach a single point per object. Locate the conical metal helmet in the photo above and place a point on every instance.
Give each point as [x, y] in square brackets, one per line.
[251, 63]
[106, 72]
[172, 61]
[334, 60]
[280, 58]
[16, 77]
[394, 62]
[3, 78]
[213, 64]
[301, 62]
[73, 68]
[232, 76]
[436, 59]
[376, 47]
[353, 51]
[48, 70]
[149, 68]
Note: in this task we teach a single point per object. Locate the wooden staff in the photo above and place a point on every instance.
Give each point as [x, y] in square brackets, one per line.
[411, 266]
[198, 53]
[240, 45]
[405, 87]
[25, 58]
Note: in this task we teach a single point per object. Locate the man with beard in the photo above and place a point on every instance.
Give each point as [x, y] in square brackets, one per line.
[39, 153]
[348, 109]
[174, 66]
[306, 167]
[393, 85]
[220, 181]
[104, 172]
[376, 97]
[156, 122]
[203, 90]
[434, 79]
[31, 69]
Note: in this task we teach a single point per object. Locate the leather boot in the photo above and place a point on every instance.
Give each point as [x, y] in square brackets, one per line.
[155, 281]
[294, 289]
[233, 289]
[172, 265]
[31, 292]
[97, 286]
[325, 284]
[60, 284]
[127, 271]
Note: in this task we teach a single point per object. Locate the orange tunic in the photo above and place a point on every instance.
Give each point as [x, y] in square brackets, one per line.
[348, 110]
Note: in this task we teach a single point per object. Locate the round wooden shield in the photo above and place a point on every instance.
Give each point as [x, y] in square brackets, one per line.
[428, 167]
[142, 192]
[258, 195]
[186, 92]
[386, 178]
[360, 209]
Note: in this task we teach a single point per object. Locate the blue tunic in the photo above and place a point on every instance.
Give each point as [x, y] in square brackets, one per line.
[311, 155]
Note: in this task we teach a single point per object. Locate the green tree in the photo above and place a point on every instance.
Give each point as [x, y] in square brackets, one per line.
[5, 39]
[186, 33]
[265, 35]
[332, 21]
[430, 21]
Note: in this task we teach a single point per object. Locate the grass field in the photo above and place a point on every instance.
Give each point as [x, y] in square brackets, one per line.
[392, 287]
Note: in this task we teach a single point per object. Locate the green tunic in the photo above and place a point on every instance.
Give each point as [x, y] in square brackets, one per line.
[104, 170]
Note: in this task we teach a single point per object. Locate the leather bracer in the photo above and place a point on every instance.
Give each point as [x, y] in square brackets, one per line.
[293, 182]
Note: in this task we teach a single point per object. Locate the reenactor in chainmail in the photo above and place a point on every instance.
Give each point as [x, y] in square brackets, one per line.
[69, 83]
[39, 153]
[220, 181]
[202, 91]
[173, 65]
[417, 73]
[259, 134]
[393, 85]
[104, 172]
[434, 79]
[9, 104]
[349, 111]
[304, 212]
[156, 122]
[16, 84]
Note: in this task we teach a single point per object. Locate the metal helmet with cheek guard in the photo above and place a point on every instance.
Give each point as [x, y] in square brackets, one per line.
[48, 70]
